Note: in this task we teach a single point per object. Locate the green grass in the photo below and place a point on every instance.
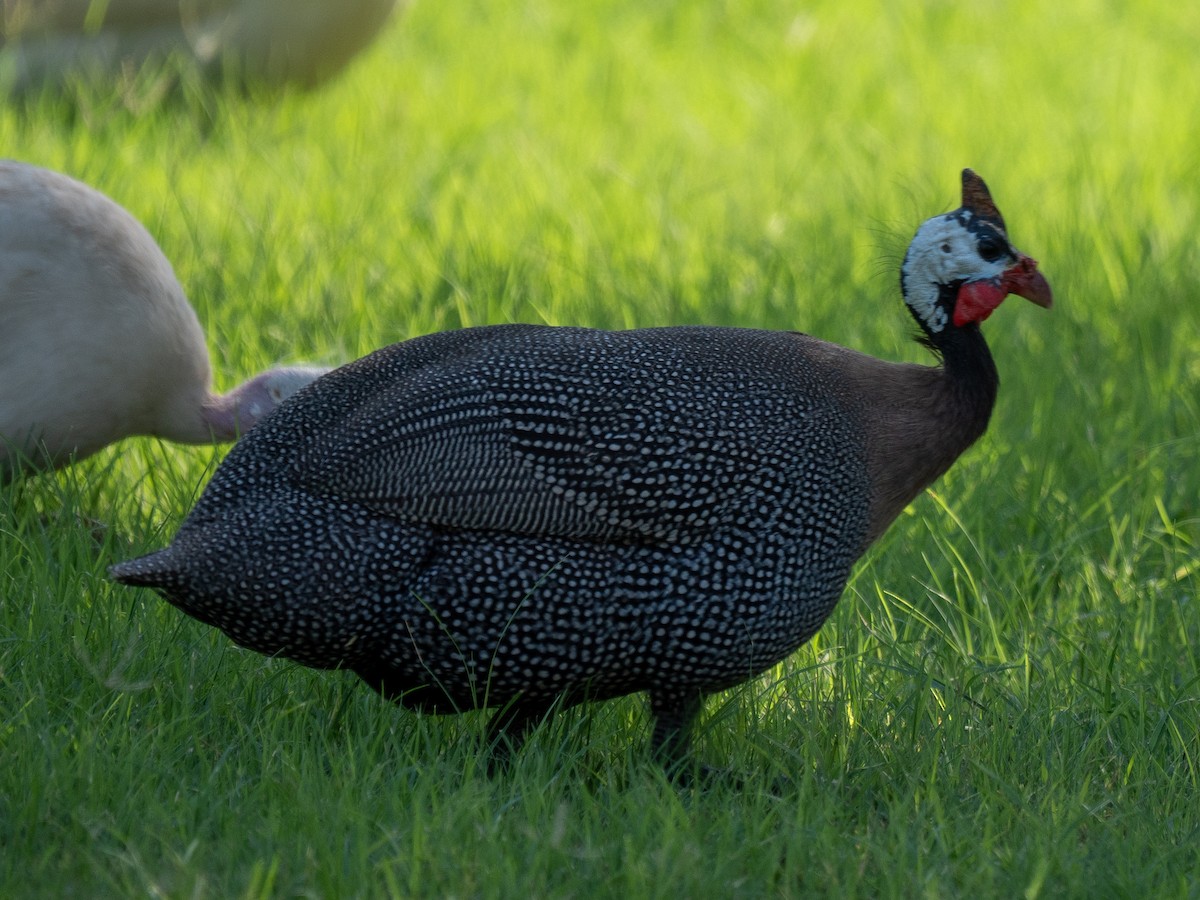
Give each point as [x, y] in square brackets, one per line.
[1006, 701]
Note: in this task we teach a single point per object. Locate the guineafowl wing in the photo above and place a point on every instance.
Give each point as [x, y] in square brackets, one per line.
[643, 435]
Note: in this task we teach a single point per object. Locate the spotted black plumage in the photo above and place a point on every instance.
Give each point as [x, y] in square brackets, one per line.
[519, 515]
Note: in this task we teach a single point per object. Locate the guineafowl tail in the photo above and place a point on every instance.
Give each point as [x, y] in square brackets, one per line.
[154, 570]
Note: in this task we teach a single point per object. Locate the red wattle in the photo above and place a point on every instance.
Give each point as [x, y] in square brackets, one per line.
[976, 301]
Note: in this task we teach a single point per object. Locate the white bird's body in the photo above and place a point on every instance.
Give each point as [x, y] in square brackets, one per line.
[97, 339]
[268, 43]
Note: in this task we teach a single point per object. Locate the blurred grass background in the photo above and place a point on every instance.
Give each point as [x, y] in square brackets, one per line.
[1005, 702]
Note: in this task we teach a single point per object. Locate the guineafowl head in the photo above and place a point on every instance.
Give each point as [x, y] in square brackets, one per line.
[961, 265]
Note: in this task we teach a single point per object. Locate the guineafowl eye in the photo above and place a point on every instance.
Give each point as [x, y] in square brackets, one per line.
[991, 248]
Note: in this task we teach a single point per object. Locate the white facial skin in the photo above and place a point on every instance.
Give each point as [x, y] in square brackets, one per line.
[944, 251]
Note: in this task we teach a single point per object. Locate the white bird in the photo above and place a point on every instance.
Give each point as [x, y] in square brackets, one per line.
[268, 43]
[97, 339]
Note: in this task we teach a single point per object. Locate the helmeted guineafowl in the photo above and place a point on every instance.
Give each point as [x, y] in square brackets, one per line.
[97, 340]
[515, 516]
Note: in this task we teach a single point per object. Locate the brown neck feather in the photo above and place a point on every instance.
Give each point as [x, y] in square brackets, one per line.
[923, 418]
[917, 420]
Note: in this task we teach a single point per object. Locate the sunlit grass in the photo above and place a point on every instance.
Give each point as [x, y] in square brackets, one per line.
[1004, 703]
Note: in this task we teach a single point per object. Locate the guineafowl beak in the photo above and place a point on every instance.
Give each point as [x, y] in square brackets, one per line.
[978, 299]
[1024, 280]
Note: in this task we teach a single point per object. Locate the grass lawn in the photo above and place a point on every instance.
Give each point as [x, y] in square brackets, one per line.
[1006, 703]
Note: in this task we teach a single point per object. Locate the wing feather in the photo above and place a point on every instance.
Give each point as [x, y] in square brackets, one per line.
[564, 432]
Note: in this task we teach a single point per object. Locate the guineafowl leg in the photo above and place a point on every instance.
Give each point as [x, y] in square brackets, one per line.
[509, 728]
[674, 712]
